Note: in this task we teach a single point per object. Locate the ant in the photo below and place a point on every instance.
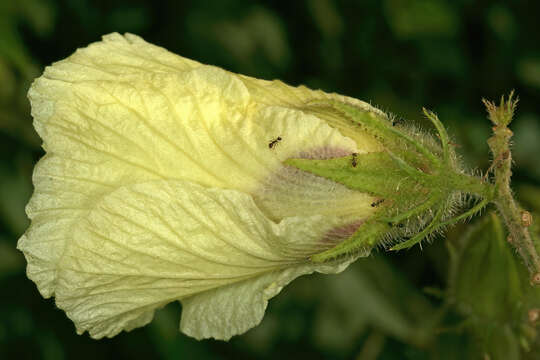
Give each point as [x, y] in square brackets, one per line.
[274, 142]
[353, 161]
[377, 203]
[397, 121]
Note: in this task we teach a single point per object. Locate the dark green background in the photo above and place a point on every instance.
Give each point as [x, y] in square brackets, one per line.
[399, 55]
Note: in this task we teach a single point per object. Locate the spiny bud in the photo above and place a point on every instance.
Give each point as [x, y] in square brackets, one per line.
[504, 112]
[419, 178]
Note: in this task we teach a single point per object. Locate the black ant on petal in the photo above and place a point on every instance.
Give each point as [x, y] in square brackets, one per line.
[274, 142]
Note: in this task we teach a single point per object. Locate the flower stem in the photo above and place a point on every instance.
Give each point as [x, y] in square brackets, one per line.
[517, 220]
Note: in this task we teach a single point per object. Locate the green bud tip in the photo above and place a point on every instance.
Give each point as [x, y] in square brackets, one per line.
[502, 114]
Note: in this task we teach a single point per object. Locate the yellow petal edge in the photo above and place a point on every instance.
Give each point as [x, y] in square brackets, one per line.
[159, 184]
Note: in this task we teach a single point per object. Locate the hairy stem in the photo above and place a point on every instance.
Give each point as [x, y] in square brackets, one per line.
[517, 220]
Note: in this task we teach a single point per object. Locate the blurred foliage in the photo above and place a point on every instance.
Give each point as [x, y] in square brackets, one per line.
[468, 299]
[490, 288]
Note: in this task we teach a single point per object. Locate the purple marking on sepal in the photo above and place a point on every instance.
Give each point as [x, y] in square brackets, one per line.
[340, 233]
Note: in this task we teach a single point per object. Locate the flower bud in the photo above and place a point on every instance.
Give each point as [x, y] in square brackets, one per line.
[165, 179]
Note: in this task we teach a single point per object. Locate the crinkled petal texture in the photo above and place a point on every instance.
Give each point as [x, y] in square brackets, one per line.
[160, 184]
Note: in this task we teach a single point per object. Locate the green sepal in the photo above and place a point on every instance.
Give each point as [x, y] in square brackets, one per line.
[415, 178]
[422, 234]
[415, 147]
[363, 240]
[392, 138]
[374, 173]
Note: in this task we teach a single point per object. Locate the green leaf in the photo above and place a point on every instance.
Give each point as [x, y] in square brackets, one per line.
[487, 280]
[490, 287]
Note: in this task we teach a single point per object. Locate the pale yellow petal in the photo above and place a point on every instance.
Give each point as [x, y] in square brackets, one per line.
[118, 55]
[145, 245]
[233, 309]
[199, 125]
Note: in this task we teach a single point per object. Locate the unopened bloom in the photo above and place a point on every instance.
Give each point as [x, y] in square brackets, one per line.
[165, 179]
